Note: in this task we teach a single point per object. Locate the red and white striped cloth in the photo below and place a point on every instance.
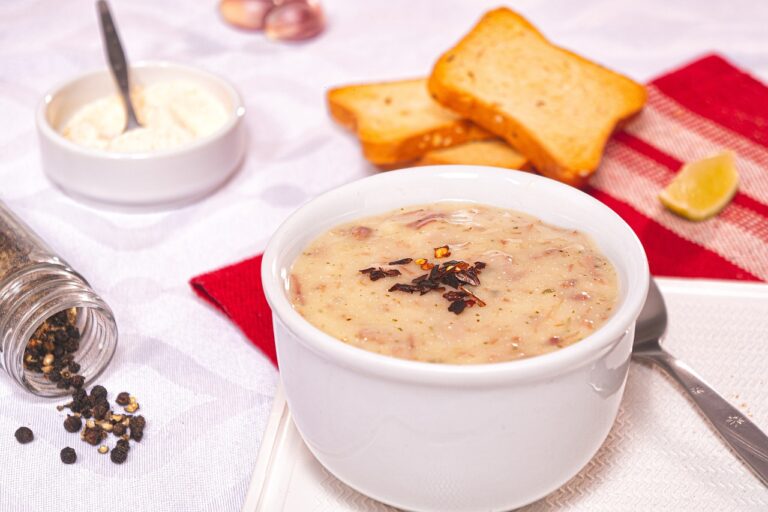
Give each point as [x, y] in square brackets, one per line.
[693, 112]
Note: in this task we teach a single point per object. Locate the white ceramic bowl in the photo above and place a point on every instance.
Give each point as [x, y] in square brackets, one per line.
[449, 438]
[154, 178]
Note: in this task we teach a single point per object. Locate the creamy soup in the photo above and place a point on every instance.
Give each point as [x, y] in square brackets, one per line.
[454, 283]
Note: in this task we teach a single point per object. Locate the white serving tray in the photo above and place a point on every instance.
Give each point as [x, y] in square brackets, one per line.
[660, 454]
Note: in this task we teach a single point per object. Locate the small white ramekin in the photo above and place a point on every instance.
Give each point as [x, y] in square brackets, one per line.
[157, 178]
[449, 438]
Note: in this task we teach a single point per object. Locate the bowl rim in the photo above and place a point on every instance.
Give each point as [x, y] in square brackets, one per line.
[533, 368]
[50, 133]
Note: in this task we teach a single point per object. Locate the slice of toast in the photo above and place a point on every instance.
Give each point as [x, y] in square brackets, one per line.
[399, 121]
[557, 108]
[495, 152]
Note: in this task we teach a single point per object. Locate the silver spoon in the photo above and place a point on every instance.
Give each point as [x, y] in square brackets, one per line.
[117, 62]
[743, 436]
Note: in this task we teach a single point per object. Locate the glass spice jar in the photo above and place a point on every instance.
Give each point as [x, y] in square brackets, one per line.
[56, 333]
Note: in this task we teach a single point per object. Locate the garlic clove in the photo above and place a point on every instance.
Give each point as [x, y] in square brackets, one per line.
[294, 20]
[246, 14]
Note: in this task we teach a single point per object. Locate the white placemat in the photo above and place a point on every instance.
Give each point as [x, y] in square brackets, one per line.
[660, 454]
[205, 391]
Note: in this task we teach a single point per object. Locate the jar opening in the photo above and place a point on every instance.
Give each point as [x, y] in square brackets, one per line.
[76, 335]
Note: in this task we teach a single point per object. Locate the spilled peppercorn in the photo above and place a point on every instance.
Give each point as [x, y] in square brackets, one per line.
[103, 420]
[73, 424]
[119, 454]
[68, 455]
[24, 435]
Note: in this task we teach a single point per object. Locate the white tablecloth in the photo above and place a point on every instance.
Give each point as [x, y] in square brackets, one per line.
[205, 390]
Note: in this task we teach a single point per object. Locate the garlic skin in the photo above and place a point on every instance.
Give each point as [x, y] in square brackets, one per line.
[246, 14]
[294, 20]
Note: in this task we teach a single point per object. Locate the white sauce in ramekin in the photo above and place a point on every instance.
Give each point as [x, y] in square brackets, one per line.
[172, 114]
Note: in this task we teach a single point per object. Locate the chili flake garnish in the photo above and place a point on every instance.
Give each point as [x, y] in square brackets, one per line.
[442, 252]
[377, 273]
[453, 274]
[452, 296]
[402, 287]
[403, 261]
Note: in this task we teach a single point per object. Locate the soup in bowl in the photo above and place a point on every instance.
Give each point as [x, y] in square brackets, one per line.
[454, 338]
[480, 284]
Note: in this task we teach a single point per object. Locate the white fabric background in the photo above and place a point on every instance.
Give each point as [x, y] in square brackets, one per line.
[205, 390]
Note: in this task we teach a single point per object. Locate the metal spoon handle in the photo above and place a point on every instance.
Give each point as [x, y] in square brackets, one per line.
[117, 61]
[743, 436]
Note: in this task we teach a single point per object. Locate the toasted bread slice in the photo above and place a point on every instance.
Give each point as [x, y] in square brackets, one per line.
[555, 107]
[399, 121]
[495, 152]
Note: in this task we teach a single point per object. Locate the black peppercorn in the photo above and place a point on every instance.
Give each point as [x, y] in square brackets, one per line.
[49, 349]
[123, 445]
[79, 395]
[73, 424]
[77, 381]
[92, 436]
[118, 429]
[123, 398]
[59, 318]
[137, 434]
[74, 367]
[100, 411]
[138, 422]
[118, 455]
[24, 435]
[98, 392]
[68, 455]
[71, 345]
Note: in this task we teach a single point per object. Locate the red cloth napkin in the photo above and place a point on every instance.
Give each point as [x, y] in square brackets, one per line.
[237, 292]
[693, 112]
